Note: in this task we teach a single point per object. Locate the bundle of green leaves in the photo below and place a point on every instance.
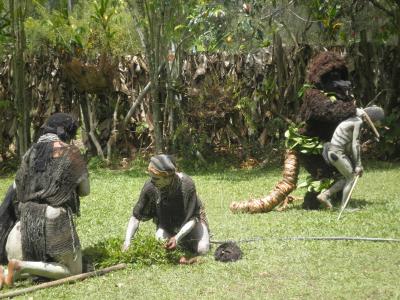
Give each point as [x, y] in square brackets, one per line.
[317, 186]
[144, 251]
[302, 143]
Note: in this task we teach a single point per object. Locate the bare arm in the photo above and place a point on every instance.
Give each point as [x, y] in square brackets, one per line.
[185, 230]
[133, 225]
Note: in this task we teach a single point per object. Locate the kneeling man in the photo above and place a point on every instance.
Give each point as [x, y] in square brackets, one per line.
[170, 199]
[45, 196]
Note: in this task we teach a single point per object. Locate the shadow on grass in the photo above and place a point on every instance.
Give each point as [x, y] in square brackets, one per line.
[353, 203]
[359, 203]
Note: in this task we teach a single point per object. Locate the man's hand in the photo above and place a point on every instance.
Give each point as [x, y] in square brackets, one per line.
[359, 171]
[171, 244]
[125, 246]
[359, 112]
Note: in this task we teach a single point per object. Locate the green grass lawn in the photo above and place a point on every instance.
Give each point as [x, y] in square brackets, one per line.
[270, 269]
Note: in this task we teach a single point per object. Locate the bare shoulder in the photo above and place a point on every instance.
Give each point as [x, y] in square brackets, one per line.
[352, 121]
[60, 149]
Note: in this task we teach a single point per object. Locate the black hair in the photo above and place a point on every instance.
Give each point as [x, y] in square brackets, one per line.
[62, 124]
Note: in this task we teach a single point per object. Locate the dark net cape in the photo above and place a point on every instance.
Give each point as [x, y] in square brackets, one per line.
[56, 185]
[171, 207]
[321, 116]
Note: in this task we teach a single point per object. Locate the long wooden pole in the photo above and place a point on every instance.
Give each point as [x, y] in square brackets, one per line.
[62, 281]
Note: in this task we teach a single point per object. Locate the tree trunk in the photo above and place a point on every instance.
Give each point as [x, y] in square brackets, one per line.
[22, 107]
[367, 72]
[88, 131]
[69, 7]
[157, 116]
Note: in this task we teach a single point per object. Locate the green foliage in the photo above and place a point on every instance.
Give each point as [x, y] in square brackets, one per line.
[103, 14]
[302, 90]
[328, 14]
[246, 105]
[50, 28]
[141, 128]
[5, 104]
[301, 143]
[317, 186]
[96, 163]
[144, 251]
[228, 26]
[93, 27]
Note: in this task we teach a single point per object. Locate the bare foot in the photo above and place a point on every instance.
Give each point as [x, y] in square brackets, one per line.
[1, 277]
[13, 267]
[184, 261]
[324, 199]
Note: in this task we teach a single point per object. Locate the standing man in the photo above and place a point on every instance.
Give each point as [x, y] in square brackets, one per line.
[170, 199]
[52, 175]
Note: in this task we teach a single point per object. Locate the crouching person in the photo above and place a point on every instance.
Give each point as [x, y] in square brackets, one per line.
[343, 152]
[43, 242]
[170, 199]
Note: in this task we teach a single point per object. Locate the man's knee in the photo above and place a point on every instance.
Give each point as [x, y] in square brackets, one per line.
[53, 213]
[14, 243]
[72, 261]
[203, 247]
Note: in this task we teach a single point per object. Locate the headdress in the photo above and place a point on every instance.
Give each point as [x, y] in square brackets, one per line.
[324, 63]
[375, 113]
[162, 165]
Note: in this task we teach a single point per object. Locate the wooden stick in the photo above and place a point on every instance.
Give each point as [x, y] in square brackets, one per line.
[69, 279]
[371, 124]
[348, 197]
[135, 104]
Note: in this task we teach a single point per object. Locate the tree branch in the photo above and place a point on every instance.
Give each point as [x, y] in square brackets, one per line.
[113, 135]
[137, 102]
[91, 133]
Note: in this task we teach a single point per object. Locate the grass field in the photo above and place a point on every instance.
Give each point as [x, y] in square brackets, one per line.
[270, 269]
